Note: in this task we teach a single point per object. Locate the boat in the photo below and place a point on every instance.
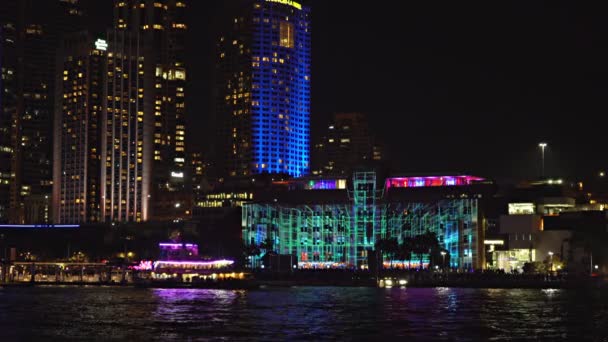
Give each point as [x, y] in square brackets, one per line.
[180, 266]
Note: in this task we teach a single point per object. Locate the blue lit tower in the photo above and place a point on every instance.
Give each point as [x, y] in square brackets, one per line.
[264, 90]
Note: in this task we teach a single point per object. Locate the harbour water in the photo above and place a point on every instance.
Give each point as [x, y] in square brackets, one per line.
[301, 313]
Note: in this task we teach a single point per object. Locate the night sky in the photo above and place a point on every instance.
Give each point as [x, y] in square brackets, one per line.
[458, 86]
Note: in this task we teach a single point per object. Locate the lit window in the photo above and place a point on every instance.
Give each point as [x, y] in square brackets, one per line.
[286, 35]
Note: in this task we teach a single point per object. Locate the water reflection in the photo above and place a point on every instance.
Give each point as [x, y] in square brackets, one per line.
[306, 313]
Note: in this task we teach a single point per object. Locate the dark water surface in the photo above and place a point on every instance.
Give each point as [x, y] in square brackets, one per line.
[301, 313]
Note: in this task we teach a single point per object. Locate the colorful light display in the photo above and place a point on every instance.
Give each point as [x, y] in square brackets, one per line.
[430, 181]
[326, 184]
[328, 235]
[144, 265]
[191, 264]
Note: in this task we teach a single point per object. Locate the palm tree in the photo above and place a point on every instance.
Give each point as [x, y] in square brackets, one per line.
[388, 247]
[392, 248]
[405, 250]
[426, 243]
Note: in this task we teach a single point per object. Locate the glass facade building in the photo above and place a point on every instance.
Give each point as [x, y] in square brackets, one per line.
[264, 90]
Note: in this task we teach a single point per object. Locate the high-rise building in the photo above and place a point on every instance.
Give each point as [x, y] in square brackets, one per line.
[8, 103]
[264, 75]
[31, 32]
[347, 144]
[77, 143]
[144, 128]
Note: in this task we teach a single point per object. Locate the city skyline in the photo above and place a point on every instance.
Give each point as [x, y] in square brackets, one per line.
[459, 63]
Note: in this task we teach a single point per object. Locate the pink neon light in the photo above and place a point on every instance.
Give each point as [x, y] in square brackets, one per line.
[176, 245]
[429, 181]
[144, 265]
[218, 263]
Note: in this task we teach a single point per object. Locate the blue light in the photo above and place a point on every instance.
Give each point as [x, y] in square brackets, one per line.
[281, 122]
[39, 226]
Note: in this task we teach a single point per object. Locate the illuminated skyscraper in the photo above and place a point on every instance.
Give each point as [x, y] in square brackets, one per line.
[77, 143]
[264, 90]
[143, 146]
[31, 32]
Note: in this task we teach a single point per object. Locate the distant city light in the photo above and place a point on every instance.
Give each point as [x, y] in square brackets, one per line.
[177, 174]
[101, 44]
[18, 226]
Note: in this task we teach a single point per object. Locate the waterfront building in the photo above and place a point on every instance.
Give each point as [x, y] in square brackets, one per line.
[264, 75]
[325, 224]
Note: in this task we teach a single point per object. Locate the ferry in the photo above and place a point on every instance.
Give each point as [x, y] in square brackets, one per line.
[180, 266]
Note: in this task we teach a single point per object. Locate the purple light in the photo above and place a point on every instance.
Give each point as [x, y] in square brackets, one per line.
[177, 245]
[144, 265]
[430, 181]
[218, 263]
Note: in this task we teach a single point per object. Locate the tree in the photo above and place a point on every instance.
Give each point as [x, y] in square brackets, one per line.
[268, 245]
[406, 250]
[388, 247]
[425, 243]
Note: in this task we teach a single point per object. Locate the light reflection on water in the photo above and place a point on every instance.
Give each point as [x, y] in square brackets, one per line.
[302, 313]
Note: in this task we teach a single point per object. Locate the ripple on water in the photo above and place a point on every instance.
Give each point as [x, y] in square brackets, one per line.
[302, 313]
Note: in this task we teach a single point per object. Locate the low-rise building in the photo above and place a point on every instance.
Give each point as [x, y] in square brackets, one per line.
[335, 223]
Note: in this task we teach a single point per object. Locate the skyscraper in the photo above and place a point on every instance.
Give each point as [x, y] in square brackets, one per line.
[77, 143]
[347, 144]
[31, 33]
[264, 74]
[144, 129]
[8, 103]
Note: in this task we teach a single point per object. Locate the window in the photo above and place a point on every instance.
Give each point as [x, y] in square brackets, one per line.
[286, 35]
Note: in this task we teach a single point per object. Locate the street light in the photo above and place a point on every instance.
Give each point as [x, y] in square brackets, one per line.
[551, 262]
[443, 253]
[542, 146]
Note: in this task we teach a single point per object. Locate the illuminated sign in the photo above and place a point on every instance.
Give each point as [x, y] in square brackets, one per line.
[177, 174]
[288, 3]
[521, 208]
[180, 160]
[101, 44]
[493, 242]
